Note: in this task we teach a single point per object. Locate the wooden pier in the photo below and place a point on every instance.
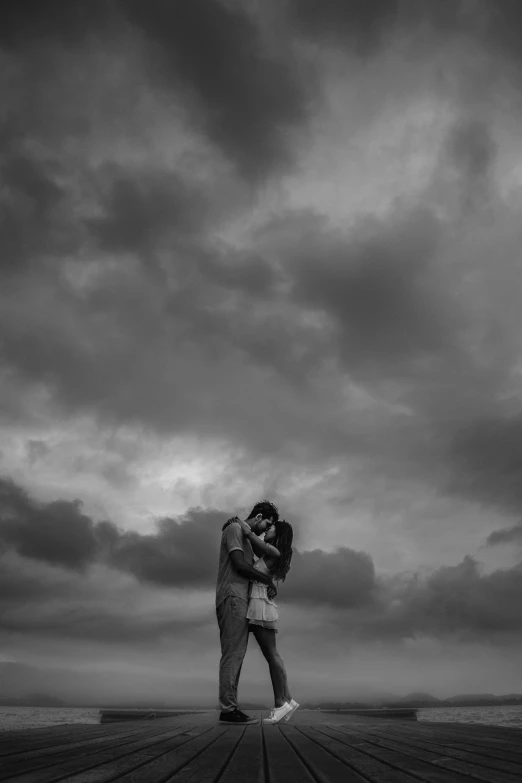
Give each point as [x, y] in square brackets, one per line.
[315, 747]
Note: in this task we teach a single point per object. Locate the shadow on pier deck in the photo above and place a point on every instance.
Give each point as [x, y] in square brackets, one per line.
[325, 747]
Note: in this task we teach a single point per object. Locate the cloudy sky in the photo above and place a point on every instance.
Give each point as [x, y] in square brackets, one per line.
[258, 248]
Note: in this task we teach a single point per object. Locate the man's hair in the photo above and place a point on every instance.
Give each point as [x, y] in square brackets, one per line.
[267, 509]
[283, 541]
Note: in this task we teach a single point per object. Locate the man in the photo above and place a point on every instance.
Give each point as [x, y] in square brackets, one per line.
[235, 573]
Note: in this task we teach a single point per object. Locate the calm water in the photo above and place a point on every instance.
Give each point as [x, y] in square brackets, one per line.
[509, 715]
[12, 718]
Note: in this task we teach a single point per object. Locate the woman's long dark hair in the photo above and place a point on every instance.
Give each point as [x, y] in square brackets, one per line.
[283, 542]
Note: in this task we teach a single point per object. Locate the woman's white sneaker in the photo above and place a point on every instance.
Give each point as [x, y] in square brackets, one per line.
[278, 712]
[294, 705]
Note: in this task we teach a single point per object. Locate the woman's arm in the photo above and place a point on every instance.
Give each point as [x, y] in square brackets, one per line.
[259, 546]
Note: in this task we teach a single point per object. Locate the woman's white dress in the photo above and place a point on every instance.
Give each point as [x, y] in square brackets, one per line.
[262, 610]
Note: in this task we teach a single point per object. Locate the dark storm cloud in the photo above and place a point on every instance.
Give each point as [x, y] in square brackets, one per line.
[227, 311]
[103, 624]
[487, 455]
[19, 585]
[366, 25]
[495, 26]
[151, 353]
[471, 150]
[471, 147]
[31, 197]
[362, 24]
[248, 98]
[501, 26]
[456, 601]
[218, 302]
[57, 532]
[44, 602]
[506, 535]
[180, 553]
[244, 95]
[375, 286]
[343, 578]
[140, 210]
[161, 212]
[27, 21]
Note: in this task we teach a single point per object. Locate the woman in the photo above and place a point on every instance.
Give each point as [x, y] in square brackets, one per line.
[275, 558]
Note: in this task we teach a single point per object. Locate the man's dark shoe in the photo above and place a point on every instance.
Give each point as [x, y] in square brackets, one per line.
[236, 718]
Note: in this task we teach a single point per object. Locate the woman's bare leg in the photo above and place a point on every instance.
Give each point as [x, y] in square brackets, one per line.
[265, 638]
[287, 696]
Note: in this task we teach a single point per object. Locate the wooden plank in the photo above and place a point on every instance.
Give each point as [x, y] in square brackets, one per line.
[442, 749]
[402, 713]
[486, 746]
[108, 767]
[47, 757]
[248, 762]
[313, 718]
[282, 762]
[161, 768]
[507, 741]
[50, 737]
[371, 768]
[51, 749]
[41, 737]
[395, 759]
[208, 765]
[40, 730]
[20, 734]
[430, 757]
[324, 767]
[37, 733]
[61, 727]
[91, 765]
[478, 733]
[125, 715]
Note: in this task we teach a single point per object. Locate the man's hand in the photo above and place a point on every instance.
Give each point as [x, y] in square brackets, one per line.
[271, 591]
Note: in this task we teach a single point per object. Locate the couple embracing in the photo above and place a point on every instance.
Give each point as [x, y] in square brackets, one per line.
[248, 566]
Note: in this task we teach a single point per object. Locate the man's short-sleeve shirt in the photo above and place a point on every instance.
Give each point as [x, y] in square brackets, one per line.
[229, 581]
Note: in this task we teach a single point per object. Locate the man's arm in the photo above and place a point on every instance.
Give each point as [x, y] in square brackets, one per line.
[248, 571]
[259, 546]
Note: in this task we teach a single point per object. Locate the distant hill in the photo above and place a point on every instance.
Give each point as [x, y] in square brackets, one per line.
[425, 698]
